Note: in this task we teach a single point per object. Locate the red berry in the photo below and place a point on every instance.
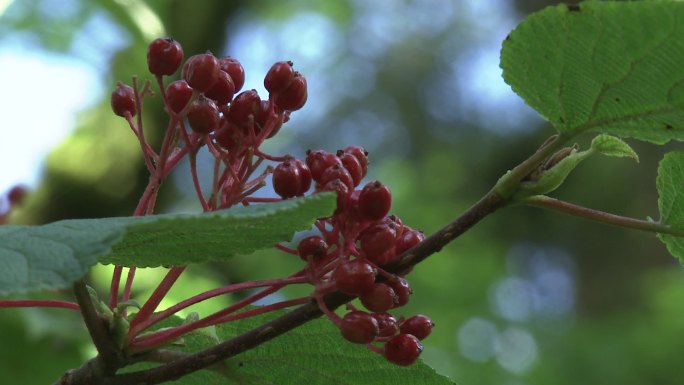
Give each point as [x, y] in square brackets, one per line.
[354, 277]
[235, 70]
[227, 135]
[387, 324]
[375, 201]
[359, 327]
[419, 325]
[360, 154]
[342, 193]
[312, 246]
[379, 298]
[201, 71]
[376, 240]
[123, 100]
[294, 96]
[351, 163]
[402, 289]
[279, 77]
[178, 94]
[305, 176]
[409, 239]
[264, 116]
[246, 103]
[319, 161]
[403, 349]
[16, 195]
[164, 56]
[223, 90]
[203, 116]
[287, 180]
[337, 171]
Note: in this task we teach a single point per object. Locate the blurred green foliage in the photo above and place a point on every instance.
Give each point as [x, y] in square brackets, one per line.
[526, 297]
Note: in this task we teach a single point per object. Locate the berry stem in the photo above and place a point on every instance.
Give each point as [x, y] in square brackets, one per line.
[263, 309]
[39, 303]
[151, 304]
[286, 249]
[114, 287]
[600, 216]
[128, 286]
[195, 180]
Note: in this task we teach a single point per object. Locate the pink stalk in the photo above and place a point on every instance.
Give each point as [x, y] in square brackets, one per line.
[151, 304]
[216, 292]
[38, 303]
[263, 309]
[114, 287]
[195, 181]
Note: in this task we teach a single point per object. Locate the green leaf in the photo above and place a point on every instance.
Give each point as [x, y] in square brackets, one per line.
[670, 185]
[55, 255]
[611, 146]
[550, 179]
[611, 67]
[312, 354]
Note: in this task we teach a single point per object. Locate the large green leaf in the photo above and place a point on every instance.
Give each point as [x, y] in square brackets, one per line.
[670, 184]
[312, 354]
[612, 67]
[55, 255]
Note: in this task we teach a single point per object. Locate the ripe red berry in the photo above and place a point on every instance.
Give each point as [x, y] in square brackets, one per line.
[359, 327]
[279, 77]
[178, 94]
[294, 96]
[223, 90]
[201, 71]
[203, 116]
[354, 277]
[319, 161]
[287, 180]
[387, 324]
[360, 154]
[246, 103]
[375, 201]
[352, 165]
[403, 349]
[314, 246]
[419, 325]
[16, 195]
[409, 239]
[235, 70]
[342, 193]
[376, 240]
[228, 135]
[379, 298]
[402, 289]
[305, 176]
[337, 171]
[123, 100]
[164, 56]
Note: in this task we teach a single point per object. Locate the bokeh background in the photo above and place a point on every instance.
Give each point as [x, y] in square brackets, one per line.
[526, 297]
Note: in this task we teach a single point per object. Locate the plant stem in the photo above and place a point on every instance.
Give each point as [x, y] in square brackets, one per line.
[600, 216]
[39, 303]
[151, 304]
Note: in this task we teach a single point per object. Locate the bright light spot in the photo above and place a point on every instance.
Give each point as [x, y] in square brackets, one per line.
[40, 98]
[476, 339]
[149, 24]
[513, 299]
[516, 350]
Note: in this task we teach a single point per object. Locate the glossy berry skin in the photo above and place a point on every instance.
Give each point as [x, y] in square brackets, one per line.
[223, 90]
[354, 277]
[352, 165]
[409, 239]
[403, 349]
[402, 289]
[319, 161]
[359, 327]
[379, 298]
[287, 180]
[376, 240]
[203, 116]
[337, 171]
[375, 201]
[313, 246]
[178, 94]
[294, 96]
[360, 154]
[387, 324]
[227, 136]
[246, 103]
[164, 56]
[279, 77]
[233, 68]
[342, 193]
[305, 176]
[123, 100]
[201, 71]
[419, 326]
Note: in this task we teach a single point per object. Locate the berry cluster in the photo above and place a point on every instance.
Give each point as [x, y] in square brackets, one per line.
[207, 110]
